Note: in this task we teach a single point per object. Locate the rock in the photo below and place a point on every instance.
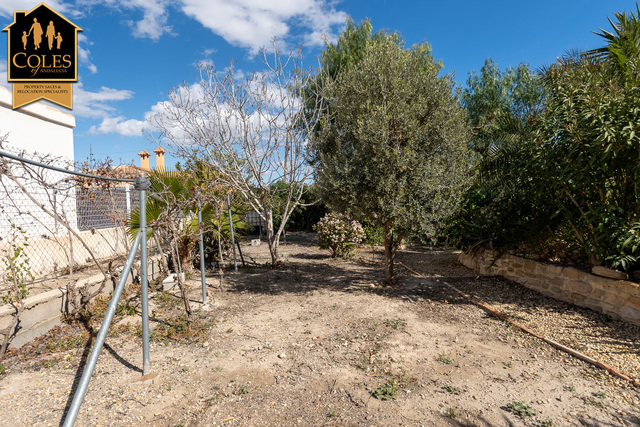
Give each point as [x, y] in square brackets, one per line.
[171, 281]
[282, 356]
[598, 270]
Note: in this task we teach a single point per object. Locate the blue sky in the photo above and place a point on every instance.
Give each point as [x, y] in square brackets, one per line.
[133, 52]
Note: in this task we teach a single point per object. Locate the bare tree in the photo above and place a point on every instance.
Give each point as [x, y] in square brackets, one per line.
[250, 129]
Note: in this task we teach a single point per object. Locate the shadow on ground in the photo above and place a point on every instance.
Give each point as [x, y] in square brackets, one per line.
[306, 270]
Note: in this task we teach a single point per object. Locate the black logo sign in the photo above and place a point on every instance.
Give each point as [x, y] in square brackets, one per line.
[42, 47]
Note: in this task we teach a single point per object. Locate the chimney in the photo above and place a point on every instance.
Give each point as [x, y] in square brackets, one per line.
[159, 158]
[144, 159]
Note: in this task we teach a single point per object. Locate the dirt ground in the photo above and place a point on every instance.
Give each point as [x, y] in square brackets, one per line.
[320, 342]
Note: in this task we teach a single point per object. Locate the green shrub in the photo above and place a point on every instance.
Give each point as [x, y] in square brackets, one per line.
[339, 233]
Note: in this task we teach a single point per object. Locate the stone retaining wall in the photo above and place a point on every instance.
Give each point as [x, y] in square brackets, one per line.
[616, 298]
[43, 311]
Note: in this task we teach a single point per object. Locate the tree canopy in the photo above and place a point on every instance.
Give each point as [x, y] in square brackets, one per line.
[392, 149]
[250, 130]
[565, 179]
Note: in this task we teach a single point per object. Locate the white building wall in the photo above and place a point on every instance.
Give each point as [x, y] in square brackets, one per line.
[39, 130]
[37, 127]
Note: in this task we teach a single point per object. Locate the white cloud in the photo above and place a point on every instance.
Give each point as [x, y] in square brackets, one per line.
[155, 15]
[154, 22]
[254, 23]
[3, 74]
[209, 52]
[95, 104]
[249, 24]
[84, 55]
[323, 24]
[127, 127]
[120, 126]
[8, 6]
[199, 102]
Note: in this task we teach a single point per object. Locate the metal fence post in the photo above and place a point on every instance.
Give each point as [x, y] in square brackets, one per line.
[233, 242]
[201, 238]
[127, 198]
[102, 334]
[141, 185]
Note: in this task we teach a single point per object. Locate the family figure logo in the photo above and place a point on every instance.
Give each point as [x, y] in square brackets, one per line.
[36, 29]
[43, 63]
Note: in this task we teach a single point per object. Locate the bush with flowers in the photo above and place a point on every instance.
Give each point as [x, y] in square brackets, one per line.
[340, 234]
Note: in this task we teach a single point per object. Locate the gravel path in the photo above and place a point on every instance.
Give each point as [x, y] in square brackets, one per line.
[320, 342]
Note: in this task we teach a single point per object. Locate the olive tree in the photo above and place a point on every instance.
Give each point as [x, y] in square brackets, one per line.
[392, 149]
[250, 129]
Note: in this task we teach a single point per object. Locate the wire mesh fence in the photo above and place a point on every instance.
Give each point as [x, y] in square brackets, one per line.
[54, 222]
[61, 225]
[99, 209]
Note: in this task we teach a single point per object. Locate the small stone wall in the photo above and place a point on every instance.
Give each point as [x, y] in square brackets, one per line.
[617, 298]
[43, 311]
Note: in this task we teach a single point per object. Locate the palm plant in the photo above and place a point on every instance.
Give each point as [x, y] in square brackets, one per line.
[168, 200]
[623, 45]
[173, 203]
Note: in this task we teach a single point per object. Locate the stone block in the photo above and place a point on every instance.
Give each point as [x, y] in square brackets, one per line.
[532, 283]
[609, 308]
[622, 287]
[574, 274]
[521, 280]
[518, 272]
[550, 270]
[555, 290]
[558, 282]
[611, 297]
[592, 303]
[467, 261]
[633, 302]
[529, 265]
[579, 287]
[601, 282]
[598, 293]
[630, 314]
[544, 284]
[577, 297]
[599, 270]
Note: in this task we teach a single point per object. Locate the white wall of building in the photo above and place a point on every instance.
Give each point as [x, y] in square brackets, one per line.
[37, 127]
[40, 130]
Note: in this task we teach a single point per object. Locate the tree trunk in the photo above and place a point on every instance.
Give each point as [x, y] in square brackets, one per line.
[175, 254]
[272, 238]
[389, 251]
[220, 258]
[164, 265]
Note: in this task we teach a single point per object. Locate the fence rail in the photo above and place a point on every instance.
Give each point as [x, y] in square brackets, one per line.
[62, 230]
[52, 223]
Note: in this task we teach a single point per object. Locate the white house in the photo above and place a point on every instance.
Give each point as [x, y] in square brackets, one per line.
[45, 130]
[37, 127]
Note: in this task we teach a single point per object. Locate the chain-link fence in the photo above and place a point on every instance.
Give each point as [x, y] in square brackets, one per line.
[56, 222]
[98, 209]
[62, 226]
